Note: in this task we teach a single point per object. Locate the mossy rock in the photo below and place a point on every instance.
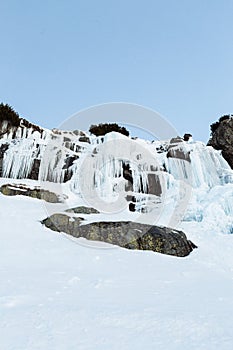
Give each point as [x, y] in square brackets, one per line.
[125, 234]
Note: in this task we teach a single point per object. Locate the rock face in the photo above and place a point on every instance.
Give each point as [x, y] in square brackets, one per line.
[125, 234]
[35, 192]
[222, 137]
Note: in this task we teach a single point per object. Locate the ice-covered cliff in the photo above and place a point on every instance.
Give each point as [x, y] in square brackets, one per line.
[168, 181]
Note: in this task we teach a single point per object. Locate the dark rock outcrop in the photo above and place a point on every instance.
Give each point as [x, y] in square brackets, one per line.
[127, 174]
[63, 223]
[222, 137]
[3, 149]
[34, 174]
[84, 139]
[154, 185]
[35, 192]
[83, 210]
[176, 149]
[125, 234]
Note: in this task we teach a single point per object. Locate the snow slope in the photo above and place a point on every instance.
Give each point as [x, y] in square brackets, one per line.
[58, 294]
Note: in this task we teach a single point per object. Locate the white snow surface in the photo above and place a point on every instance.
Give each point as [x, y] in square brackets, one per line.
[57, 293]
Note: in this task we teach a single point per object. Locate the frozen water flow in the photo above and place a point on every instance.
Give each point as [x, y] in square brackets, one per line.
[113, 167]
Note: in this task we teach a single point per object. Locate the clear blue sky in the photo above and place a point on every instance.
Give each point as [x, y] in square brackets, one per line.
[176, 57]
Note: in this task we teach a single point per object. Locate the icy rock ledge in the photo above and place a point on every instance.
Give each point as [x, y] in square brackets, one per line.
[125, 234]
[34, 192]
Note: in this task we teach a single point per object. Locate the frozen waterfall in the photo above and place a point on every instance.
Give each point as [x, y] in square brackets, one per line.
[117, 170]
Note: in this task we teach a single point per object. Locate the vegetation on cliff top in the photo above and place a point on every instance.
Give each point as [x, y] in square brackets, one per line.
[103, 129]
[7, 113]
